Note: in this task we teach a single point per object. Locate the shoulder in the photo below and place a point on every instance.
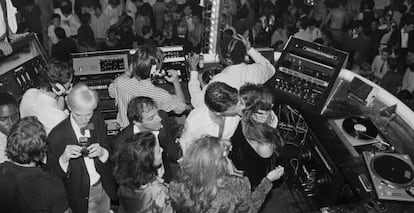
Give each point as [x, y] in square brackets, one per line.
[60, 129]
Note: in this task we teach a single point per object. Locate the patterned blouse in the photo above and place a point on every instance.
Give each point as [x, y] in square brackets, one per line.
[234, 195]
[152, 197]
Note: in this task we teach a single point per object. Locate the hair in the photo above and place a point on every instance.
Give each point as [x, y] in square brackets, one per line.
[258, 97]
[55, 16]
[236, 51]
[134, 160]
[60, 33]
[137, 106]
[26, 142]
[82, 96]
[202, 166]
[114, 2]
[7, 99]
[66, 9]
[55, 72]
[85, 18]
[142, 61]
[220, 96]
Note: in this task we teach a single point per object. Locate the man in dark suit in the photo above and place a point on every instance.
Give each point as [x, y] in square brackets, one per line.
[143, 115]
[403, 40]
[78, 152]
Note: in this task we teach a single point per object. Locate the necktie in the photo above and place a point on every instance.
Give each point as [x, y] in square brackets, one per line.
[382, 68]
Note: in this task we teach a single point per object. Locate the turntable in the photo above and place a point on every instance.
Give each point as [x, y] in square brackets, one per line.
[392, 175]
[356, 131]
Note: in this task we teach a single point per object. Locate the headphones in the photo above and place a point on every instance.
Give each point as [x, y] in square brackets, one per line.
[58, 89]
[231, 46]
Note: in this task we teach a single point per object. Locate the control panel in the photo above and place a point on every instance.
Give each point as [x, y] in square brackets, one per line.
[173, 59]
[305, 73]
[19, 71]
[92, 63]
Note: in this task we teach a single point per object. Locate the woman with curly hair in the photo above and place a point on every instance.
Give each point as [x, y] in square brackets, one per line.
[135, 169]
[208, 181]
[255, 144]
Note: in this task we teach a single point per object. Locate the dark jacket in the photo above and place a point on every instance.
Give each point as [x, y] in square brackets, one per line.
[76, 179]
[395, 40]
[171, 149]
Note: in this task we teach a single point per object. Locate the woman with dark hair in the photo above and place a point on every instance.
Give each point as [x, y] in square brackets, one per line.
[135, 169]
[208, 181]
[24, 186]
[256, 145]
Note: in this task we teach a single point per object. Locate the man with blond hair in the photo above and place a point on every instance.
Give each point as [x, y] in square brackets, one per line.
[78, 153]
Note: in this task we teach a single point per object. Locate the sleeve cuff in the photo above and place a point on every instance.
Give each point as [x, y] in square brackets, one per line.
[63, 165]
[105, 156]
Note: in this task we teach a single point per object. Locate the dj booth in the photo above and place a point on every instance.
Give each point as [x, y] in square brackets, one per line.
[349, 144]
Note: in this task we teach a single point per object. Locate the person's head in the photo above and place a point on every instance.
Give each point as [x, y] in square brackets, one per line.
[114, 3]
[258, 97]
[28, 5]
[143, 62]
[236, 51]
[279, 25]
[196, 18]
[82, 101]
[111, 33]
[386, 53]
[57, 77]
[137, 159]
[187, 10]
[9, 112]
[393, 64]
[128, 21]
[182, 31]
[55, 20]
[143, 112]
[26, 142]
[257, 26]
[223, 99]
[204, 164]
[85, 18]
[60, 33]
[302, 23]
[66, 9]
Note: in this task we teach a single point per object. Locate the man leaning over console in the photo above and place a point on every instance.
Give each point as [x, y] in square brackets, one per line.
[237, 73]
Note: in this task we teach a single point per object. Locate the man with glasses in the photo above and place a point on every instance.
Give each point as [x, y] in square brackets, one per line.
[9, 115]
[78, 152]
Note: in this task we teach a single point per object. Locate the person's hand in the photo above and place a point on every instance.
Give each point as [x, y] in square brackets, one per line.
[276, 173]
[5, 48]
[262, 116]
[95, 150]
[172, 76]
[193, 60]
[245, 42]
[71, 151]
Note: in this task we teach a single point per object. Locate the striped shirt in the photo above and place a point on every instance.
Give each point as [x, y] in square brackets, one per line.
[124, 88]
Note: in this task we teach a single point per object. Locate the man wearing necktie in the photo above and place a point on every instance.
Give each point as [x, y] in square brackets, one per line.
[78, 152]
[379, 64]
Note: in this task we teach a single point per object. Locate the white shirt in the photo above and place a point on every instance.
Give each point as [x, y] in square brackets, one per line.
[99, 25]
[379, 67]
[72, 21]
[3, 144]
[199, 123]
[236, 76]
[404, 39]
[113, 14]
[45, 108]
[408, 81]
[11, 17]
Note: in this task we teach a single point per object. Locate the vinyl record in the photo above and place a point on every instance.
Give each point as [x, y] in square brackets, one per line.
[393, 170]
[360, 128]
